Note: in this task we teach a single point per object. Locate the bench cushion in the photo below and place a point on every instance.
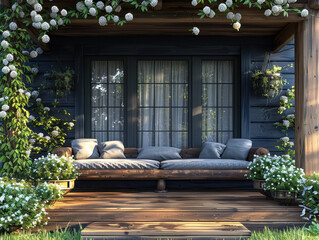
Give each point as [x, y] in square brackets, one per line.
[237, 148]
[92, 164]
[159, 153]
[208, 164]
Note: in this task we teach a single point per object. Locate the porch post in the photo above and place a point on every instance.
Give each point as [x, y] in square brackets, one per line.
[307, 93]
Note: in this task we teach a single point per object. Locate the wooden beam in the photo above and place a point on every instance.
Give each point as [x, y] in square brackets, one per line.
[285, 36]
[314, 4]
[34, 36]
[307, 93]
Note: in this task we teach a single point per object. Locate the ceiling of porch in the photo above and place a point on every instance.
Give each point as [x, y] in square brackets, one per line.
[175, 18]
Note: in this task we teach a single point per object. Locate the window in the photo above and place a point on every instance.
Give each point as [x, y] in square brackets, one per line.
[178, 101]
[107, 100]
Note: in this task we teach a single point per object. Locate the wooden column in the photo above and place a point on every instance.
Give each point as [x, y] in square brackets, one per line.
[307, 93]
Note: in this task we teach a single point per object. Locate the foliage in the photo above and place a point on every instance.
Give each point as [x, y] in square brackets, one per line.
[23, 205]
[286, 146]
[53, 167]
[262, 164]
[284, 177]
[269, 83]
[288, 234]
[310, 199]
[313, 229]
[63, 81]
[66, 234]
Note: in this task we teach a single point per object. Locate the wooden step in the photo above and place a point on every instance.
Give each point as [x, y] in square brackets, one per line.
[165, 230]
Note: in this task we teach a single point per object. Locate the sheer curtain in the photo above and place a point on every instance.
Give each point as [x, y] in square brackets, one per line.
[107, 100]
[163, 103]
[217, 100]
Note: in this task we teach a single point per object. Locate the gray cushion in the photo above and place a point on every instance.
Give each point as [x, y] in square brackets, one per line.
[237, 148]
[111, 150]
[211, 150]
[87, 164]
[85, 148]
[159, 153]
[208, 164]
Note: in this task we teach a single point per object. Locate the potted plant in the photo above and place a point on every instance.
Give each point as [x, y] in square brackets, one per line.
[268, 83]
[54, 169]
[284, 182]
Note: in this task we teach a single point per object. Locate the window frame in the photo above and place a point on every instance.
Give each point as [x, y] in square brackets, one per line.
[130, 83]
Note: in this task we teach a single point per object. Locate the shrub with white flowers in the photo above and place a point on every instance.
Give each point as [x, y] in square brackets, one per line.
[283, 177]
[52, 167]
[310, 198]
[262, 165]
[23, 205]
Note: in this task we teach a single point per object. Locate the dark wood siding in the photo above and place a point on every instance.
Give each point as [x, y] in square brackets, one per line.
[257, 116]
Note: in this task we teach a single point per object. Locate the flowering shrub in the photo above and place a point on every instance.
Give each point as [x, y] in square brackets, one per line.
[286, 146]
[310, 198]
[284, 177]
[262, 164]
[53, 167]
[23, 205]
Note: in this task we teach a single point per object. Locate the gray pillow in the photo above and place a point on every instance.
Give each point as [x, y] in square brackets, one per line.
[85, 148]
[112, 150]
[211, 150]
[237, 148]
[159, 153]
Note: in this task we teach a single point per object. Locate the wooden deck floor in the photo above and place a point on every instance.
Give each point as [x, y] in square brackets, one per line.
[248, 207]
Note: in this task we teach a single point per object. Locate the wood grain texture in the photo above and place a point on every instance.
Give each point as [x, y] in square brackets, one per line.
[284, 36]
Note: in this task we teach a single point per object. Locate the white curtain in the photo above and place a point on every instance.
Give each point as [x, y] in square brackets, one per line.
[162, 103]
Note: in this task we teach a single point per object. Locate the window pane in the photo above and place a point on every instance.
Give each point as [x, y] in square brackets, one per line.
[107, 100]
[217, 100]
[166, 102]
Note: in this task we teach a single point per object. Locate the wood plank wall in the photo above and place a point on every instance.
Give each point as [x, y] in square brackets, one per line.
[258, 117]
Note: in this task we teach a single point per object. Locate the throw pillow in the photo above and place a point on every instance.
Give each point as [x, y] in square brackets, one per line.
[212, 150]
[112, 150]
[237, 148]
[85, 148]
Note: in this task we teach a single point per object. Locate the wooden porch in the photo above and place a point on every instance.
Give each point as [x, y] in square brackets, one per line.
[177, 214]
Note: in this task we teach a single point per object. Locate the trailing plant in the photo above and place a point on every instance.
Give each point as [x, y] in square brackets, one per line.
[63, 81]
[310, 199]
[268, 83]
[23, 205]
[53, 167]
[262, 164]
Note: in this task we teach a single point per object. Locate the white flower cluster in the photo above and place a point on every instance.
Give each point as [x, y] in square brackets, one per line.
[5, 107]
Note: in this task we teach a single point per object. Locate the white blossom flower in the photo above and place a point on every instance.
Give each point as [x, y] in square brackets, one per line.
[45, 26]
[222, 7]
[286, 123]
[285, 139]
[5, 70]
[53, 22]
[14, 6]
[32, 141]
[5, 107]
[154, 3]
[211, 14]
[118, 8]
[116, 19]
[31, 117]
[28, 94]
[129, 17]
[35, 70]
[31, 2]
[284, 99]
[13, 26]
[196, 30]
[275, 9]
[38, 18]
[27, 153]
[33, 54]
[60, 22]
[53, 15]
[38, 100]
[194, 2]
[36, 25]
[292, 116]
[102, 21]
[1, 99]
[282, 108]
[21, 14]
[71, 124]
[54, 9]
[13, 74]
[35, 93]
[229, 3]
[39, 50]
[37, 7]
[6, 34]
[292, 1]
[55, 133]
[206, 10]
[260, 1]
[100, 5]
[33, 13]
[237, 17]
[5, 62]
[230, 15]
[4, 44]
[237, 26]
[88, 3]
[304, 13]
[3, 114]
[46, 109]
[12, 67]
[279, 2]
[47, 138]
[291, 143]
[40, 135]
[92, 11]
[45, 38]
[80, 6]
[64, 13]
[108, 9]
[21, 91]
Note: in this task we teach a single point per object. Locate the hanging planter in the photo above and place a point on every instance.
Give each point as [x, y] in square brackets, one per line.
[268, 82]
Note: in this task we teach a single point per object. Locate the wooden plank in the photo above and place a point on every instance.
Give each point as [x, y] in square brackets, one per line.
[307, 97]
[166, 229]
[314, 4]
[163, 174]
[285, 36]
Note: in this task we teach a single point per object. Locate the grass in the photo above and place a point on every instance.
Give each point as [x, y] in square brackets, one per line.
[267, 234]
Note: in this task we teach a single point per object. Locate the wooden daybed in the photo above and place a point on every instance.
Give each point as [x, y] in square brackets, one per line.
[160, 174]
